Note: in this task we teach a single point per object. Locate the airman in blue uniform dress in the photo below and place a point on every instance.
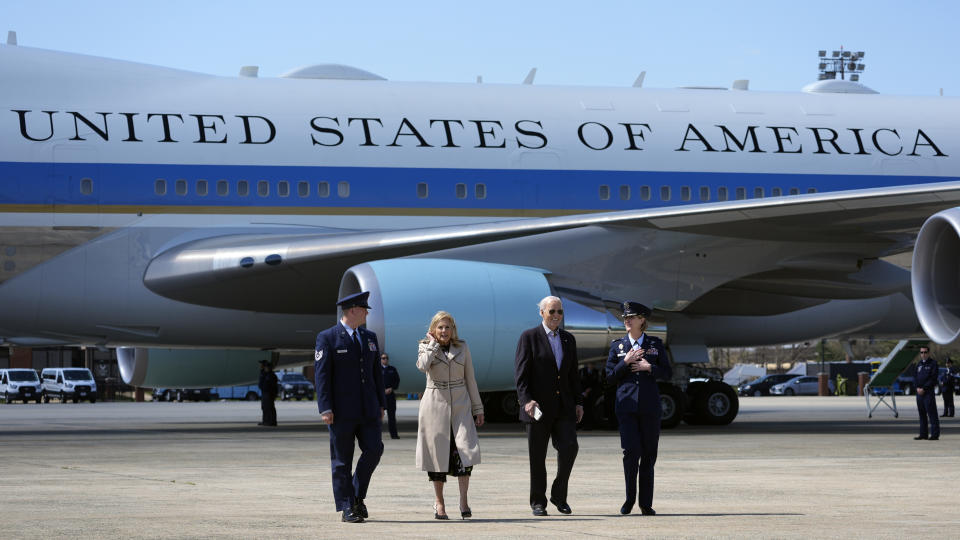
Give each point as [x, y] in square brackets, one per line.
[634, 364]
[391, 381]
[349, 383]
[926, 381]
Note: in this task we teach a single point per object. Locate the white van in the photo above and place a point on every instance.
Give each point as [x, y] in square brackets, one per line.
[68, 383]
[16, 383]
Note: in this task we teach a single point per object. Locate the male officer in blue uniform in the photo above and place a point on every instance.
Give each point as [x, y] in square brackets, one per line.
[391, 381]
[634, 364]
[947, 382]
[926, 380]
[349, 384]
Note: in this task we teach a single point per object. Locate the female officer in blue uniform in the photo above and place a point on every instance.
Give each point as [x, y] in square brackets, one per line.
[634, 364]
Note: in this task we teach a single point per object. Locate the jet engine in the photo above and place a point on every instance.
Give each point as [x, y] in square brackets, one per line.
[491, 303]
[186, 368]
[935, 276]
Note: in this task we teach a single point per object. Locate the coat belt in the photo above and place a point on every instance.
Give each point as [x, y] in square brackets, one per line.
[444, 385]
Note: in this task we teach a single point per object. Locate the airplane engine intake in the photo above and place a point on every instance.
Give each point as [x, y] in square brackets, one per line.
[492, 304]
[935, 276]
[187, 368]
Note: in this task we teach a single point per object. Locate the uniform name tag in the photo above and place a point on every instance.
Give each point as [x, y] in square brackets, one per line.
[341, 351]
[622, 354]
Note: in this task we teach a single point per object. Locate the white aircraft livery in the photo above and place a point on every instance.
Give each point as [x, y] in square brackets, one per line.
[153, 209]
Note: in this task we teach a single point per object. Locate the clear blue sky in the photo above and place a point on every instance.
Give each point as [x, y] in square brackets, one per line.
[911, 47]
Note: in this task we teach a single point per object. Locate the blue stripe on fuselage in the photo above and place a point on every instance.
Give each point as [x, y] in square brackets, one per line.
[396, 187]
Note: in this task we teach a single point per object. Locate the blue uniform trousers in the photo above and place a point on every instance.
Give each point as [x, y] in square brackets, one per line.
[639, 438]
[927, 407]
[391, 410]
[346, 487]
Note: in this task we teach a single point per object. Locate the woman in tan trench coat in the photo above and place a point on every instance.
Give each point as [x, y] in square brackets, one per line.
[450, 410]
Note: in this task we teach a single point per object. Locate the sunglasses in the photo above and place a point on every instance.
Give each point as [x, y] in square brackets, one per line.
[924, 352]
[555, 311]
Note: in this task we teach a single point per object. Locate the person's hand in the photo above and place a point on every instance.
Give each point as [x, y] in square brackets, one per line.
[579, 413]
[327, 418]
[528, 408]
[478, 419]
[920, 392]
[388, 391]
[643, 365]
[431, 338]
[632, 356]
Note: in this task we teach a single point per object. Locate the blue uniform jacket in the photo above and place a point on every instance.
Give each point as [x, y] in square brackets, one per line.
[927, 373]
[637, 392]
[348, 382]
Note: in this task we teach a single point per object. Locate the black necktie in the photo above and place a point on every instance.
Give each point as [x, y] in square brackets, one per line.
[356, 340]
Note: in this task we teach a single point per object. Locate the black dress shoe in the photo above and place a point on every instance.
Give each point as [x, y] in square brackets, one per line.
[349, 516]
[562, 507]
[360, 509]
[627, 507]
[920, 438]
[935, 438]
[647, 511]
[538, 509]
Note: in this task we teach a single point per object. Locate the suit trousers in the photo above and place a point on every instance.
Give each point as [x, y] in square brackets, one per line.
[948, 408]
[391, 410]
[927, 407]
[639, 438]
[346, 487]
[269, 410]
[563, 433]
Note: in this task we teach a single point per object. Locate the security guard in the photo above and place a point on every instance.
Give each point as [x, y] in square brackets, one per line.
[391, 381]
[634, 364]
[926, 380]
[349, 382]
[268, 394]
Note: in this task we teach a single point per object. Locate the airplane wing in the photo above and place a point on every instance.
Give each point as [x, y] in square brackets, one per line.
[285, 273]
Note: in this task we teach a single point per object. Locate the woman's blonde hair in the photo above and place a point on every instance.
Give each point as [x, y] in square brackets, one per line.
[441, 315]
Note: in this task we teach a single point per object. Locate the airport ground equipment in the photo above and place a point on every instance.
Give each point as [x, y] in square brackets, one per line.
[883, 380]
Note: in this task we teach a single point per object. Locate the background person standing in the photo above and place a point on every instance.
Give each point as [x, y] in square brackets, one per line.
[391, 381]
[551, 403]
[947, 382]
[268, 394]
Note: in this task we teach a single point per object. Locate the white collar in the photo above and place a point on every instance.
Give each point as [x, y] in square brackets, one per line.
[548, 330]
[350, 331]
[638, 341]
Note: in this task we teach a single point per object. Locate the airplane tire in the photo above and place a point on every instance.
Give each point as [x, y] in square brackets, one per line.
[716, 404]
[671, 406]
[251, 396]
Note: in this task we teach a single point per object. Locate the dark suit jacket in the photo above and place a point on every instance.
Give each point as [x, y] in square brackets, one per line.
[637, 392]
[349, 382]
[538, 379]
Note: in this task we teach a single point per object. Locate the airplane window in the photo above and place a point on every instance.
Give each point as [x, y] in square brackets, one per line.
[624, 193]
[664, 193]
[86, 186]
[704, 193]
[604, 192]
[722, 193]
[323, 189]
[283, 188]
[811, 190]
[202, 188]
[794, 191]
[480, 191]
[303, 189]
[758, 193]
[263, 188]
[343, 189]
[741, 193]
[645, 193]
[461, 190]
[422, 190]
[223, 188]
[160, 186]
[684, 193]
[243, 188]
[180, 187]
[776, 192]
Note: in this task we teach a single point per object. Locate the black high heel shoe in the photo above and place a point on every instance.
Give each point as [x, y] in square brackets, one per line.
[436, 514]
[466, 514]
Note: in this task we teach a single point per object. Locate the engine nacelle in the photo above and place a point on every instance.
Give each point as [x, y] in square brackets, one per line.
[492, 304]
[935, 276]
[186, 368]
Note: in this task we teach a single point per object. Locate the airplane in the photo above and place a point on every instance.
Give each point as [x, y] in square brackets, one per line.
[167, 213]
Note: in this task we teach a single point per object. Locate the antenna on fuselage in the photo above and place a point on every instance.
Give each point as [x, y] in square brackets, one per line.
[741, 84]
[11, 37]
[639, 82]
[249, 71]
[530, 76]
[479, 79]
[842, 62]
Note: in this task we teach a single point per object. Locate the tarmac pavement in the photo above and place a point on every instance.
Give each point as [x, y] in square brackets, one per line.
[788, 467]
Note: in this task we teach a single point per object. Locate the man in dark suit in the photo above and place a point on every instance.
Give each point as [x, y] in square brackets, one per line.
[391, 381]
[268, 394]
[548, 389]
[349, 383]
[634, 364]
